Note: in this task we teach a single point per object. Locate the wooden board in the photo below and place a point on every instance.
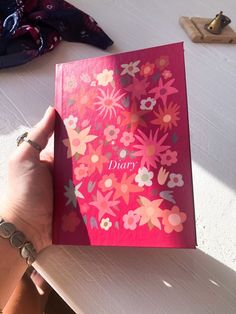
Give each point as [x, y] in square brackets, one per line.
[194, 27]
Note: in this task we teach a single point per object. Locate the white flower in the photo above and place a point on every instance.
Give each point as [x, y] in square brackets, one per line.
[130, 68]
[77, 192]
[106, 224]
[144, 177]
[147, 104]
[175, 180]
[105, 77]
[85, 78]
[71, 121]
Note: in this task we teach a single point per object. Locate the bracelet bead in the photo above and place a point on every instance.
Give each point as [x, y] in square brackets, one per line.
[18, 240]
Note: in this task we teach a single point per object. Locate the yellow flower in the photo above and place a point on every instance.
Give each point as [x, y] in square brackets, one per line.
[105, 77]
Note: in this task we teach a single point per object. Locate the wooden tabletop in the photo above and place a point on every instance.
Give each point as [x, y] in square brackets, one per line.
[125, 280]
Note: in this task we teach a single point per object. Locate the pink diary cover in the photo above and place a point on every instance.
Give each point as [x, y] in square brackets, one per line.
[122, 157]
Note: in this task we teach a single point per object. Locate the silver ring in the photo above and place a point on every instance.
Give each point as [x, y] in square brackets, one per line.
[24, 138]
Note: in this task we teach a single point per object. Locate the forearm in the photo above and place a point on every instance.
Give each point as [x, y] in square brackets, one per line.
[12, 264]
[12, 268]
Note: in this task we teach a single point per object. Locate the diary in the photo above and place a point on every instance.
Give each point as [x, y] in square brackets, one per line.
[122, 172]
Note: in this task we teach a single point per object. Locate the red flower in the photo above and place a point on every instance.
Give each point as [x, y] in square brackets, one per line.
[147, 69]
[70, 222]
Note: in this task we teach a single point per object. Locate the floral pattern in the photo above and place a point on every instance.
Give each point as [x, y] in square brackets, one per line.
[149, 212]
[70, 83]
[162, 91]
[108, 102]
[147, 69]
[70, 222]
[168, 158]
[173, 219]
[147, 104]
[108, 182]
[94, 159]
[106, 224]
[111, 132]
[149, 148]
[130, 68]
[167, 117]
[71, 121]
[104, 204]
[144, 177]
[175, 180]
[77, 141]
[127, 138]
[130, 220]
[105, 77]
[123, 124]
[81, 172]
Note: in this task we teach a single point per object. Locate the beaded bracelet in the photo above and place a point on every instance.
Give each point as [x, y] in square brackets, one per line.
[18, 241]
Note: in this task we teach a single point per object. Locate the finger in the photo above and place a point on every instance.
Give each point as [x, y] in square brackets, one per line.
[40, 135]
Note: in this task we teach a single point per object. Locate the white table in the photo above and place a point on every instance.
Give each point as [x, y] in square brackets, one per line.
[123, 280]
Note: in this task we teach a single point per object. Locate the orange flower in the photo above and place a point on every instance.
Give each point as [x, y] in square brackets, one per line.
[149, 212]
[94, 159]
[147, 69]
[167, 117]
[134, 118]
[162, 62]
[76, 142]
[107, 182]
[173, 219]
[125, 187]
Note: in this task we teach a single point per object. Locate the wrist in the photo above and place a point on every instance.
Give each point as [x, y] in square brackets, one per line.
[31, 235]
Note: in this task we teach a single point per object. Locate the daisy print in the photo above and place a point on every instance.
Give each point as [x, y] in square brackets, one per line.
[107, 102]
[130, 68]
[144, 177]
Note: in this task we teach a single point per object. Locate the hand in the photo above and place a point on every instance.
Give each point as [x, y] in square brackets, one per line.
[29, 201]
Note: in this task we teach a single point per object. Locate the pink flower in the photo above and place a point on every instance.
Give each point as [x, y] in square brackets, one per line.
[168, 158]
[150, 148]
[104, 204]
[164, 90]
[173, 219]
[175, 180]
[107, 182]
[127, 138]
[131, 220]
[81, 172]
[167, 74]
[111, 132]
[70, 222]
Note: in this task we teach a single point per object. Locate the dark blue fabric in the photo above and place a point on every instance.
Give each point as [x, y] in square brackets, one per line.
[31, 28]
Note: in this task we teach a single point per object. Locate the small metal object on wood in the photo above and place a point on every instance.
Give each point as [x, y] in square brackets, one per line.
[195, 28]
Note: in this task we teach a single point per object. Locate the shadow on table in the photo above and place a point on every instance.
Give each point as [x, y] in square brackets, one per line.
[155, 280]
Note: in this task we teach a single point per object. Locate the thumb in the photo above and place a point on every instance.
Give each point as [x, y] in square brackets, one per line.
[39, 134]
